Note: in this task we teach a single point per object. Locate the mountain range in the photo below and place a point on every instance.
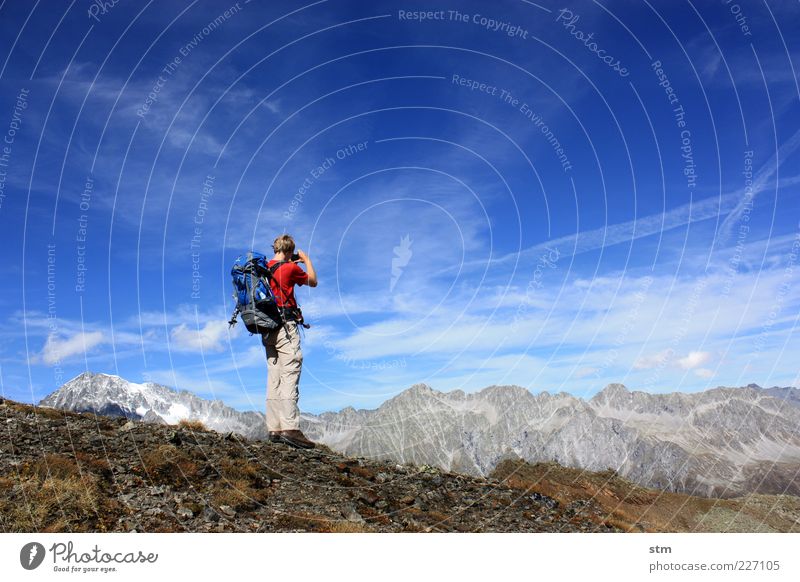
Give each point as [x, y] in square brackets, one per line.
[722, 442]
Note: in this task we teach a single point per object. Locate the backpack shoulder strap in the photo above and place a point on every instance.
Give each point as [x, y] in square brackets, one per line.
[271, 270]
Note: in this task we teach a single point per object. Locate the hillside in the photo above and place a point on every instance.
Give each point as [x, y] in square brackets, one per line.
[633, 508]
[77, 472]
[70, 472]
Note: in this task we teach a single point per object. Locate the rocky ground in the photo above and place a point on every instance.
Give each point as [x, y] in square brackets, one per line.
[67, 472]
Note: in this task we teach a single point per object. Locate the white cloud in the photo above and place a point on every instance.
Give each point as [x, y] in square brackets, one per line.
[585, 371]
[704, 373]
[209, 338]
[59, 347]
[652, 361]
[694, 360]
[691, 361]
[208, 386]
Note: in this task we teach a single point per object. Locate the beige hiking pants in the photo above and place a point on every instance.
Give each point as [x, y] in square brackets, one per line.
[284, 362]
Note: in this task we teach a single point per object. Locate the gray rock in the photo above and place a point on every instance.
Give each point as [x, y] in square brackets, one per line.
[209, 514]
[719, 442]
[349, 512]
[227, 511]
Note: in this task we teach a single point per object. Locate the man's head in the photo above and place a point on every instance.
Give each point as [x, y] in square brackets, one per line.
[284, 244]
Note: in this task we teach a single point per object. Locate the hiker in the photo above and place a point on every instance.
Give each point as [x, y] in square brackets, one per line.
[284, 355]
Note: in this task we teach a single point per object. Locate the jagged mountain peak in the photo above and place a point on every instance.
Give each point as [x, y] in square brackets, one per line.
[616, 388]
[507, 389]
[111, 395]
[612, 393]
[421, 388]
[416, 392]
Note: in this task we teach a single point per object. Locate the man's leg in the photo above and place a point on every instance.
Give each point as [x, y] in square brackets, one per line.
[290, 357]
[274, 365]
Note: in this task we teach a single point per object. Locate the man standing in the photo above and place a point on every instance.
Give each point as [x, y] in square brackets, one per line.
[284, 356]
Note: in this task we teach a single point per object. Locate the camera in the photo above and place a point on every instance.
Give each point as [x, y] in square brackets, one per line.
[295, 257]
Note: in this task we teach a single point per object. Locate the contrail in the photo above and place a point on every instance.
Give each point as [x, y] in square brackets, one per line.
[759, 184]
[731, 204]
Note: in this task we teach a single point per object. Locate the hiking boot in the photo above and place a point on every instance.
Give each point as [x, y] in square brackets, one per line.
[296, 439]
[274, 436]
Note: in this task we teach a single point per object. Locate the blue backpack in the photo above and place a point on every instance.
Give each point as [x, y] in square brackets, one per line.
[255, 301]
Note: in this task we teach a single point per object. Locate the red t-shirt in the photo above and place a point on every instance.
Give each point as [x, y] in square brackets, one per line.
[283, 281]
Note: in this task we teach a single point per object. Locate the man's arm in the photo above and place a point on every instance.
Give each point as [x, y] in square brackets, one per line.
[312, 274]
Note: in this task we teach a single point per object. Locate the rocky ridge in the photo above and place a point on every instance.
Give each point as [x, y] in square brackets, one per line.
[70, 472]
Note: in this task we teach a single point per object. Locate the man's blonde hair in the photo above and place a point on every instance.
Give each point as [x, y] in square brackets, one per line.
[284, 244]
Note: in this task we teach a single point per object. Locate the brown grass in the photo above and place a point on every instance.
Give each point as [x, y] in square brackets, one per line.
[88, 462]
[239, 494]
[238, 469]
[634, 508]
[193, 425]
[51, 413]
[168, 465]
[348, 527]
[53, 494]
[320, 524]
[243, 485]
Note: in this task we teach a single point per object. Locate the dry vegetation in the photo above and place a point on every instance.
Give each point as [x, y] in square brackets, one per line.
[192, 425]
[168, 465]
[242, 485]
[633, 508]
[56, 494]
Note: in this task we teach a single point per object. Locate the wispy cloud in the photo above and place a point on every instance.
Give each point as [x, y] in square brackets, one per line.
[731, 204]
[760, 183]
[694, 360]
[59, 348]
[209, 338]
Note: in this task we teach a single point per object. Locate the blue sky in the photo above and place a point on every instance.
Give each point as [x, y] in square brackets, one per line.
[555, 196]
